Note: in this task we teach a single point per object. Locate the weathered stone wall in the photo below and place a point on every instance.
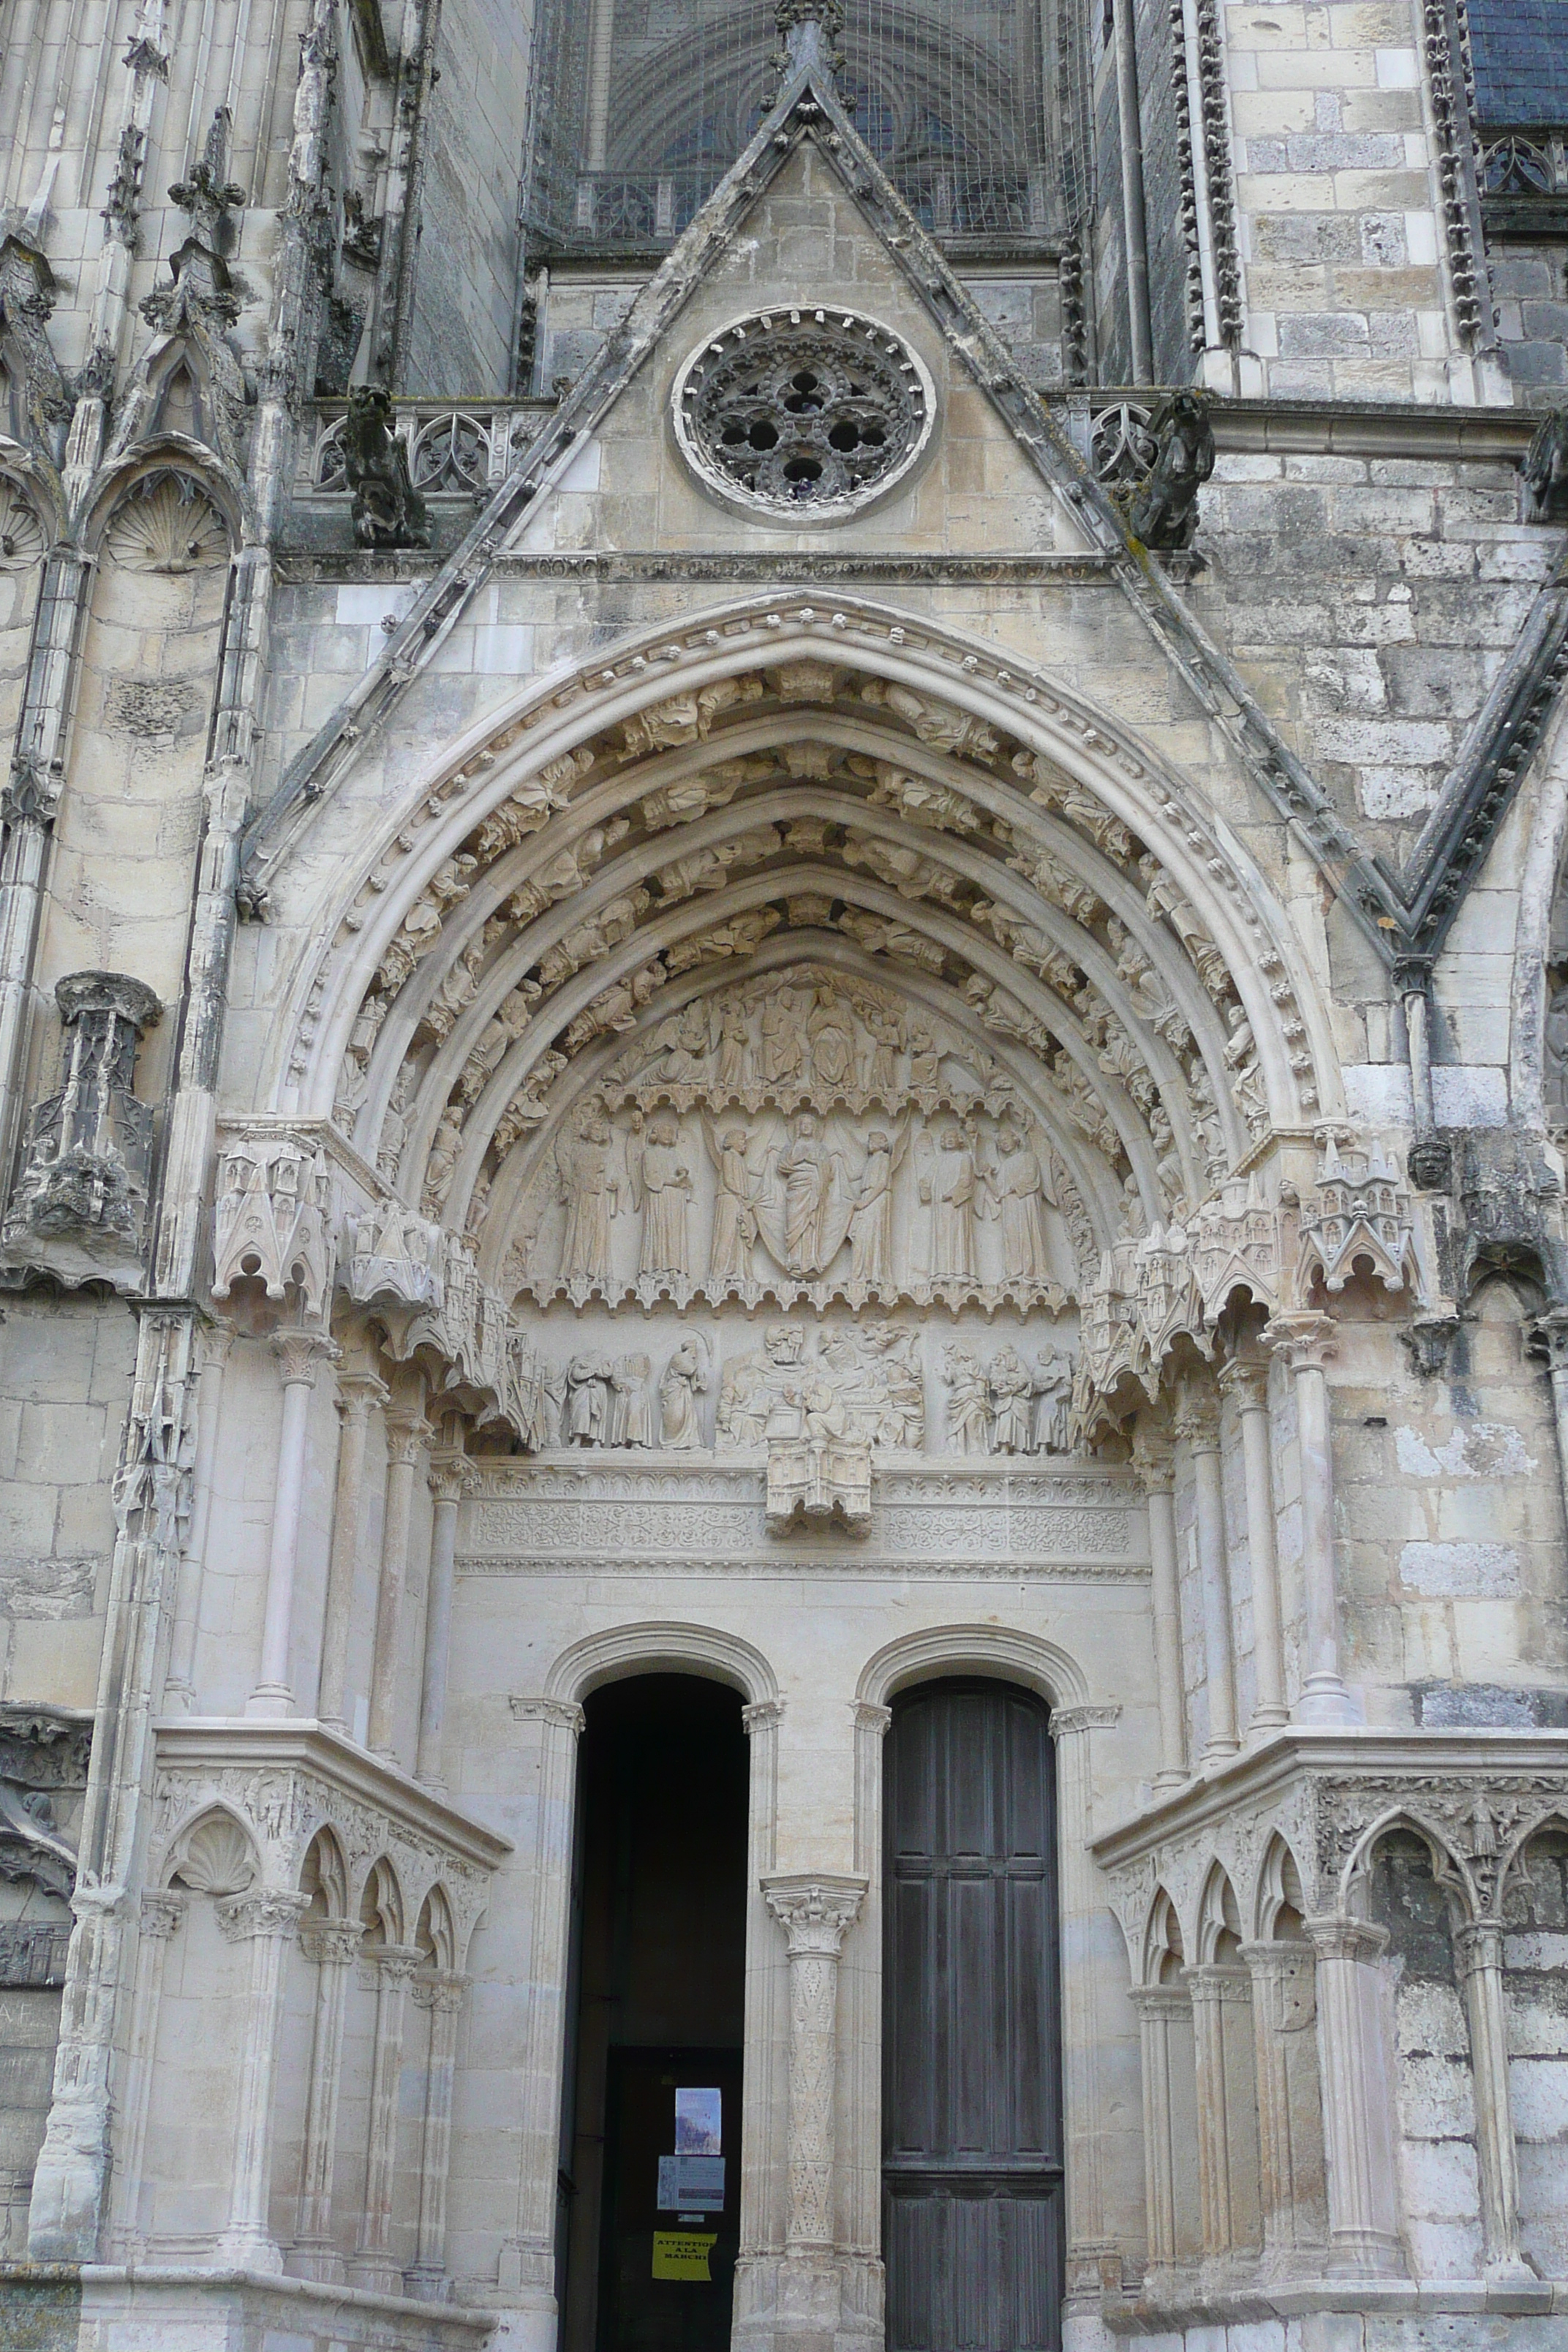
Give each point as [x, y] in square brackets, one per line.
[65, 1372]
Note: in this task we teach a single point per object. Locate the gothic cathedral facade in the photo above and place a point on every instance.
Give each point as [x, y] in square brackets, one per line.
[783, 1175]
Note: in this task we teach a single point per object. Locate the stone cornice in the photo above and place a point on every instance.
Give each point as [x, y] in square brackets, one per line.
[1260, 1772]
[229, 1740]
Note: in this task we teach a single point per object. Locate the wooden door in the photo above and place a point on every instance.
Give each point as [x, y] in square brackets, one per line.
[971, 2172]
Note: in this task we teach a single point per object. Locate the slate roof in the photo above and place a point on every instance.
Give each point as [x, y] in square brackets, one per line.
[1520, 49]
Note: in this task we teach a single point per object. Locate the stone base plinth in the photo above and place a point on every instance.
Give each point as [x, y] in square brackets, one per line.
[126, 2309]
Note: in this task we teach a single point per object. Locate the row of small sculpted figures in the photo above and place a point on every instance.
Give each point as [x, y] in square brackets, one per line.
[815, 1187]
[865, 1384]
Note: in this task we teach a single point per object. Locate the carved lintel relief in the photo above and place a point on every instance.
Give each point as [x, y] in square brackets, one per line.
[87, 1160]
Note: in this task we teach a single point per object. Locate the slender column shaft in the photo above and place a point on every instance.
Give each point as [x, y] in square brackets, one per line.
[1152, 1454]
[332, 1946]
[450, 1475]
[210, 1348]
[762, 2210]
[443, 1997]
[1356, 2070]
[528, 2261]
[267, 1921]
[299, 1356]
[1307, 1343]
[372, 2265]
[814, 1913]
[357, 1391]
[1549, 1340]
[1198, 1423]
[1158, 2006]
[1140, 341]
[161, 1917]
[1083, 1923]
[1478, 1948]
[1290, 2173]
[404, 1433]
[1248, 1382]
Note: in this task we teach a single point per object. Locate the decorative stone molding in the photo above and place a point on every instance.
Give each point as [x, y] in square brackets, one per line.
[818, 1478]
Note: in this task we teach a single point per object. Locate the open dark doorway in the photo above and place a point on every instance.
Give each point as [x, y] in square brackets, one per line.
[650, 2170]
[972, 2166]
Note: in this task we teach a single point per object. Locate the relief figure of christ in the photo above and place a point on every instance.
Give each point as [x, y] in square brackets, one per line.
[662, 1181]
[807, 1169]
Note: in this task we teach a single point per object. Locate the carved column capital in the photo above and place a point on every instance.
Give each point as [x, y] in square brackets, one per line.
[561, 1714]
[210, 1345]
[450, 1476]
[162, 1913]
[1068, 1721]
[358, 1390]
[816, 1909]
[1161, 2000]
[396, 1962]
[1245, 1378]
[406, 1433]
[260, 1911]
[443, 1994]
[1154, 1458]
[300, 1354]
[331, 1943]
[1307, 1341]
[763, 1715]
[1346, 1939]
[1195, 1421]
[871, 1716]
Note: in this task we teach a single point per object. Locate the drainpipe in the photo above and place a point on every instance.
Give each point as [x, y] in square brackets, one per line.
[1135, 231]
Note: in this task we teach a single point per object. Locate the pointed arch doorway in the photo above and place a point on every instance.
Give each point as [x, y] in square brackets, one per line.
[972, 2168]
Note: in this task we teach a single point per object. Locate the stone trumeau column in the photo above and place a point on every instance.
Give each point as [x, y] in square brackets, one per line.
[527, 2274]
[816, 1909]
[299, 1356]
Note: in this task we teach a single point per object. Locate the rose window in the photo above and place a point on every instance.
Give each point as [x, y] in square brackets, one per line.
[810, 414]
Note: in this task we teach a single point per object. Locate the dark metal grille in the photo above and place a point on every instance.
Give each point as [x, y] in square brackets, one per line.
[640, 106]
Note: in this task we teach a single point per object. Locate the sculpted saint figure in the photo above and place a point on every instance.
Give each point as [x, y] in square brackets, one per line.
[589, 1187]
[631, 1408]
[805, 1167]
[735, 1207]
[662, 1183]
[887, 1042]
[830, 1028]
[685, 1041]
[871, 1224]
[1016, 1189]
[1053, 1395]
[734, 1045]
[925, 1061]
[684, 1379]
[1556, 1056]
[1012, 1395]
[783, 1045]
[950, 1189]
[968, 1402]
[588, 1406]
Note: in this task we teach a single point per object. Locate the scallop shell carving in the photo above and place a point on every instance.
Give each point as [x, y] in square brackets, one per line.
[167, 524]
[21, 534]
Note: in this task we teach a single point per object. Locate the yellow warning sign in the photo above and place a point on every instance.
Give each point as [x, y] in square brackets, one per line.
[683, 2254]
